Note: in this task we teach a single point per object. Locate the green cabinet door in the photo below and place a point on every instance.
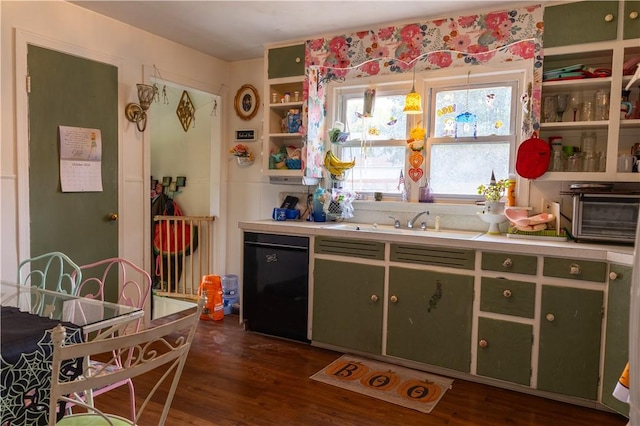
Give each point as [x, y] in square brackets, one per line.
[286, 61]
[504, 350]
[580, 22]
[429, 317]
[569, 355]
[616, 350]
[631, 20]
[347, 305]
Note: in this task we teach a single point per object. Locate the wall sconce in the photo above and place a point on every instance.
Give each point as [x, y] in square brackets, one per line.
[413, 101]
[137, 113]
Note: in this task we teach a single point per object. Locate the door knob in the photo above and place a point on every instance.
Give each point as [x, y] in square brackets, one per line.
[113, 216]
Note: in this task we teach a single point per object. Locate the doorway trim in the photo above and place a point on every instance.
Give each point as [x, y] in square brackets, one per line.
[216, 163]
[24, 38]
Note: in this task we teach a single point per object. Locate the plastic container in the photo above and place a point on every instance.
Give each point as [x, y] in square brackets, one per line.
[230, 285]
[511, 191]
[211, 288]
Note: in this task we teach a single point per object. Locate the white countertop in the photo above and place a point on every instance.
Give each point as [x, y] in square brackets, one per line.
[468, 239]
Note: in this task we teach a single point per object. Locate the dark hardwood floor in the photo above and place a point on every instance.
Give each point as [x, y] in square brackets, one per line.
[235, 377]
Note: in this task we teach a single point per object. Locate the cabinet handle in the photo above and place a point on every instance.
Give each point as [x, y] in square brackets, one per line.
[575, 269]
[608, 17]
[633, 15]
[508, 263]
[297, 60]
[613, 275]
[483, 343]
[374, 297]
[550, 317]
[393, 299]
[506, 293]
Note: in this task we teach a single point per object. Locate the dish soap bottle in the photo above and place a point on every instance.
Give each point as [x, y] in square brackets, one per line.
[425, 195]
[318, 206]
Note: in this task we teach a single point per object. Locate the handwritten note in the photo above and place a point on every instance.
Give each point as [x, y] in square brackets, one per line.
[80, 159]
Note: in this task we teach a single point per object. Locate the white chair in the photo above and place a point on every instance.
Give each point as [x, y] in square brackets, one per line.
[165, 347]
[54, 270]
[132, 285]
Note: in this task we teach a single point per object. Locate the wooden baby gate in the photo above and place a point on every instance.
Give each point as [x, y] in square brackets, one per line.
[179, 271]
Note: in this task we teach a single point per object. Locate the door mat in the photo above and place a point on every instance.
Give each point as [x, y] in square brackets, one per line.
[399, 385]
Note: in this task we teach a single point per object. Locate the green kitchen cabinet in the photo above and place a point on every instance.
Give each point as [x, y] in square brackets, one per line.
[580, 22]
[570, 332]
[285, 61]
[631, 20]
[429, 317]
[575, 269]
[508, 297]
[616, 349]
[504, 350]
[347, 305]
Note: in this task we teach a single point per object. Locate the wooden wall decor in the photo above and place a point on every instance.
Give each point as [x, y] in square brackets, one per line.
[185, 111]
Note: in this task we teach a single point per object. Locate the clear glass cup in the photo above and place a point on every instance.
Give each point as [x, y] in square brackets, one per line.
[588, 111]
[601, 105]
[562, 106]
[574, 163]
[588, 142]
[550, 109]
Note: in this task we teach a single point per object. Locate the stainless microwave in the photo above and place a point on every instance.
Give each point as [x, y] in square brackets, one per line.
[605, 217]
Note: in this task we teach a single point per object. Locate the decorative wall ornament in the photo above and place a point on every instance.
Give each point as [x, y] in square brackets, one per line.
[247, 102]
[186, 111]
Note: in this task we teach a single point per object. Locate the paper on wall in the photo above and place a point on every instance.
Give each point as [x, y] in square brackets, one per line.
[80, 159]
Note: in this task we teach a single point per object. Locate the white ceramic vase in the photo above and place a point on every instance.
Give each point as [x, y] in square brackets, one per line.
[493, 214]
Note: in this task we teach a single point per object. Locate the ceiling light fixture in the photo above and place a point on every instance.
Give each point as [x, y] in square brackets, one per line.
[137, 113]
[413, 101]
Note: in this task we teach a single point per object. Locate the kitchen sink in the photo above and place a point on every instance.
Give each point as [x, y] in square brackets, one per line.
[388, 229]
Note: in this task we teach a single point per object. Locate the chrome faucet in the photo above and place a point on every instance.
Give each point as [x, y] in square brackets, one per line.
[411, 222]
[396, 222]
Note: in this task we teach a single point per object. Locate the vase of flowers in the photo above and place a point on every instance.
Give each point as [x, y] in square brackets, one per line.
[493, 213]
[243, 154]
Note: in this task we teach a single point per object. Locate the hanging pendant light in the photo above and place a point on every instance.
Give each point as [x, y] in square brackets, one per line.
[413, 101]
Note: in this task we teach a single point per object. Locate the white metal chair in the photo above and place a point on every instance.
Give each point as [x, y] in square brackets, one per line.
[133, 287]
[165, 347]
[54, 270]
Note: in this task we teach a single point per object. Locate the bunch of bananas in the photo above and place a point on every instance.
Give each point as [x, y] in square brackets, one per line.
[337, 167]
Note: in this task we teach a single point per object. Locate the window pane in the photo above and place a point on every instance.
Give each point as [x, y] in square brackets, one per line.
[388, 121]
[485, 111]
[459, 168]
[377, 168]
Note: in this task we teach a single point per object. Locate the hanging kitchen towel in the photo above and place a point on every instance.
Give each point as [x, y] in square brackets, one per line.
[532, 160]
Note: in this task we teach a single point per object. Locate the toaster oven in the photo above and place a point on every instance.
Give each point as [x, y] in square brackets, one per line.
[601, 215]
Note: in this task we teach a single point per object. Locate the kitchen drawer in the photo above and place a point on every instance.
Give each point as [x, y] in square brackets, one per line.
[353, 248]
[507, 297]
[435, 256]
[508, 262]
[286, 61]
[575, 269]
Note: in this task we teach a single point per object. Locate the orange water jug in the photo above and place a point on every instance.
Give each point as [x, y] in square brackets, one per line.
[211, 289]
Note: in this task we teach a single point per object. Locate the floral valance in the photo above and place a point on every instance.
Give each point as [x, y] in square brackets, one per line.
[484, 38]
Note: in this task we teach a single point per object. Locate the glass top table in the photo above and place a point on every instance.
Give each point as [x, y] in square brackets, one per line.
[91, 314]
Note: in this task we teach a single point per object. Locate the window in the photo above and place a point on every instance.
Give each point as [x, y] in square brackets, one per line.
[471, 124]
[471, 134]
[378, 142]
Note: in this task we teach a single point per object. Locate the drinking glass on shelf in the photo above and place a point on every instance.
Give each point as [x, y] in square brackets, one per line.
[574, 101]
[562, 106]
[550, 109]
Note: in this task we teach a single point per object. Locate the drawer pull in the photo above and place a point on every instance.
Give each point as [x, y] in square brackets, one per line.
[374, 297]
[298, 58]
[633, 15]
[507, 293]
[613, 276]
[575, 269]
[483, 343]
[550, 317]
[608, 17]
[508, 263]
[393, 299]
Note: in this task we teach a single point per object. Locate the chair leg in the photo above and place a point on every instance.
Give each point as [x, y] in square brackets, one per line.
[132, 394]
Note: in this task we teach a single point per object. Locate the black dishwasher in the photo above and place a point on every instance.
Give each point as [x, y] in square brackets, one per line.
[275, 289]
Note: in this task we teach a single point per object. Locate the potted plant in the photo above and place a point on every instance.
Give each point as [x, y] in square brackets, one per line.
[494, 191]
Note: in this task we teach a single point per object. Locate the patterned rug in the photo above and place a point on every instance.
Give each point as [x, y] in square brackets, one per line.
[399, 385]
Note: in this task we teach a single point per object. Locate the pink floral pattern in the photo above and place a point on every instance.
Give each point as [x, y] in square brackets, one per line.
[494, 37]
